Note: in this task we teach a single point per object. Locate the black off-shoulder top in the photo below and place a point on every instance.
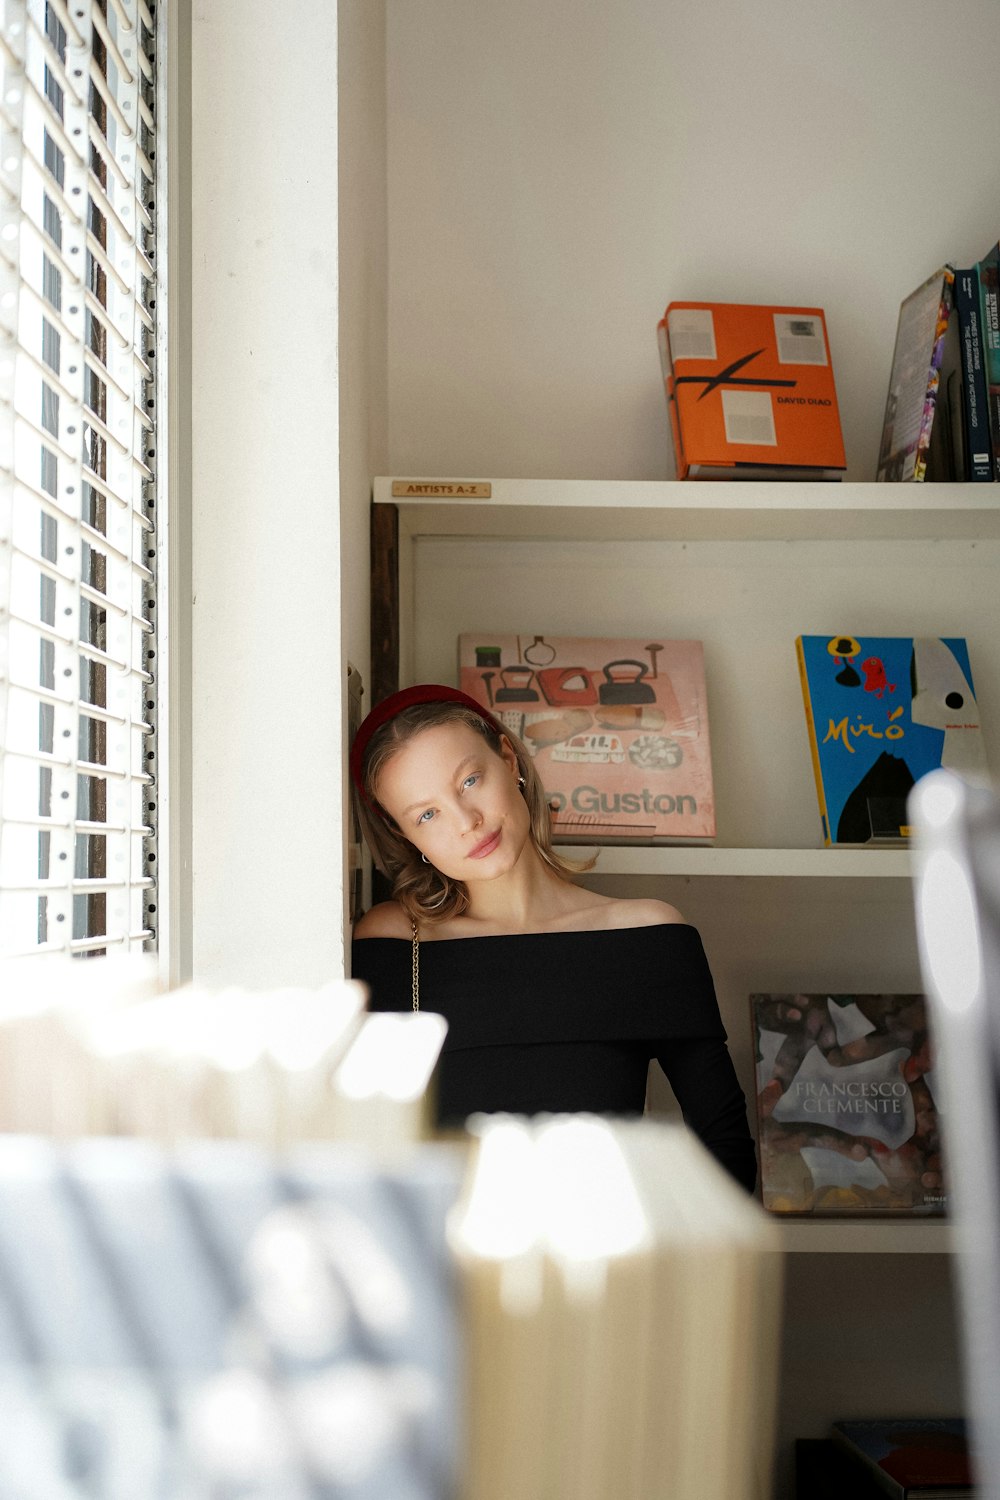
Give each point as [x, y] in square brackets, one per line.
[561, 1022]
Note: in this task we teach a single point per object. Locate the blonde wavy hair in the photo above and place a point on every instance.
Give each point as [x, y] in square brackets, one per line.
[424, 893]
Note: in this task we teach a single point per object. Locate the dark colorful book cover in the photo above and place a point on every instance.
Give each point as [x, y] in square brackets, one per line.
[881, 712]
[910, 1457]
[914, 380]
[847, 1110]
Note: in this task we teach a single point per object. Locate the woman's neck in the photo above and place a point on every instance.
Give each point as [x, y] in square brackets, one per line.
[528, 899]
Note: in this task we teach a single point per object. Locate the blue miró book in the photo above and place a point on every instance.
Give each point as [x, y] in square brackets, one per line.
[881, 712]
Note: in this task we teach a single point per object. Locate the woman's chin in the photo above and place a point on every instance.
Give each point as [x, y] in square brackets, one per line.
[500, 861]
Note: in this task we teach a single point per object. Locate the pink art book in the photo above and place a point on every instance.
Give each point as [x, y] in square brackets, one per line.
[618, 730]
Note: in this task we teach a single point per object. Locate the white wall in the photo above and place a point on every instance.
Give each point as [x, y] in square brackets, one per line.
[266, 710]
[558, 172]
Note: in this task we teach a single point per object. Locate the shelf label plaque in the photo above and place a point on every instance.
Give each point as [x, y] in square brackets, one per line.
[440, 489]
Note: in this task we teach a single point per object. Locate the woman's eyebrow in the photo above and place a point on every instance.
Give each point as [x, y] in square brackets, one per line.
[425, 801]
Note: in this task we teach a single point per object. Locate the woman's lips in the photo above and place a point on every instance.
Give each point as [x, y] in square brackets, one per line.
[487, 846]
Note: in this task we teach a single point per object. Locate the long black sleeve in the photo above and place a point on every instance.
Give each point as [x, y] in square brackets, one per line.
[700, 1071]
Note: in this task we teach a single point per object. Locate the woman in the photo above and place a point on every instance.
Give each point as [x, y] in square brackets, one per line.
[556, 997]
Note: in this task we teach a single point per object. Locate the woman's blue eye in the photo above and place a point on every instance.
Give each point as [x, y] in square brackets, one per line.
[471, 780]
[425, 816]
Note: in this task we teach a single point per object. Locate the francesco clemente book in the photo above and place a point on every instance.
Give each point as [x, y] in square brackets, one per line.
[847, 1110]
[881, 712]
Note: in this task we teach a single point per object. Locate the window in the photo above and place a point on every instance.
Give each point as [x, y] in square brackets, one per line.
[78, 494]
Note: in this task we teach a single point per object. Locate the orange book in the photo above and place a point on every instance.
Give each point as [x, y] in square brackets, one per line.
[750, 391]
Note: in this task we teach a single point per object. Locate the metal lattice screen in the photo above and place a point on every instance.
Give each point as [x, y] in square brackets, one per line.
[77, 476]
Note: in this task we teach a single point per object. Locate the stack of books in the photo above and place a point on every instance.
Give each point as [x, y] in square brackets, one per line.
[621, 1299]
[942, 414]
[98, 1050]
[223, 1261]
[565, 1308]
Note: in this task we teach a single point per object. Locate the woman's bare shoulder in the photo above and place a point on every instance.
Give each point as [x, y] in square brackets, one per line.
[640, 912]
[387, 920]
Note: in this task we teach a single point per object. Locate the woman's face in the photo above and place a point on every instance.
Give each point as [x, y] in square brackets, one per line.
[457, 801]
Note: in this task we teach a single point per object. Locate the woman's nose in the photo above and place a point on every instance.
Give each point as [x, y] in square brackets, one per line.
[469, 815]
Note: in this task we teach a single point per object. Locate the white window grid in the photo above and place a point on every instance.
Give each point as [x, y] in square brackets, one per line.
[78, 490]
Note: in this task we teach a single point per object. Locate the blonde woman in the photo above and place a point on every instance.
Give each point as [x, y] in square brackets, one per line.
[556, 997]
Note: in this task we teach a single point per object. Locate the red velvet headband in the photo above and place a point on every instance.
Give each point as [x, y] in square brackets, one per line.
[424, 692]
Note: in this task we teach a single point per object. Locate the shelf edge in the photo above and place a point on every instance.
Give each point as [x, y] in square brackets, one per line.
[911, 1237]
[671, 859]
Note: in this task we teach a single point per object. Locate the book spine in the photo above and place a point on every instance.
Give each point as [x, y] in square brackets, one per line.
[813, 743]
[989, 307]
[683, 467]
[663, 345]
[978, 447]
[666, 365]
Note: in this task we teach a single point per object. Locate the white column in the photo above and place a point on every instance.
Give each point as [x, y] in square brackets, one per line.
[267, 802]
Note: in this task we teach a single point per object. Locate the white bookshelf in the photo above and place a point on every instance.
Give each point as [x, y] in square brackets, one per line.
[522, 342]
[724, 561]
[723, 510]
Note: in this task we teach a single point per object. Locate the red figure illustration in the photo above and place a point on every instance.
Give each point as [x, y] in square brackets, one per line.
[875, 679]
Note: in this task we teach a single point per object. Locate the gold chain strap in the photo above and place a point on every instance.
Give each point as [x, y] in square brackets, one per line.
[416, 966]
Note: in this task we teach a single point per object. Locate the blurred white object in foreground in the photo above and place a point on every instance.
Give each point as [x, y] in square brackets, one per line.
[50, 1081]
[381, 1089]
[957, 891]
[622, 1311]
[96, 1049]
